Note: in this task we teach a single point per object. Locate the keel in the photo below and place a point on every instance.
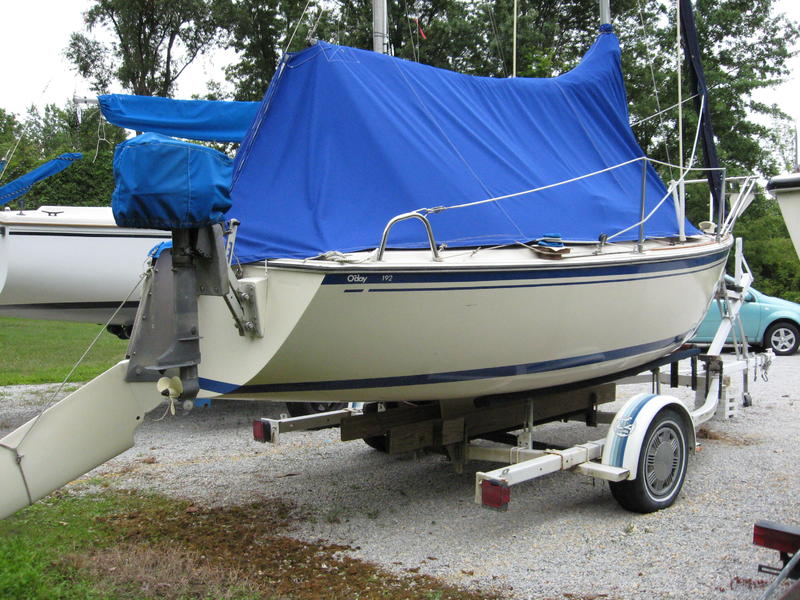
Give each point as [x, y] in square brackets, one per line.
[82, 431]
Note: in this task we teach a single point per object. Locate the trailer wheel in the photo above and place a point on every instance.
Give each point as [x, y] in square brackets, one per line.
[662, 466]
[302, 409]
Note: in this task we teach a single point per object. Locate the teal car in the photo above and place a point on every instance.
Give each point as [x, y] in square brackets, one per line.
[768, 322]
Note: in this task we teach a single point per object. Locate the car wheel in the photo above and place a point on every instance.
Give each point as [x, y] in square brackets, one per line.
[662, 467]
[783, 337]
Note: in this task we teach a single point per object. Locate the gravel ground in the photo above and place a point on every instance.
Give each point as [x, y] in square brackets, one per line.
[563, 535]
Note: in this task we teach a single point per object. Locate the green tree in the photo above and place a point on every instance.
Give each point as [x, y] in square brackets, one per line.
[45, 135]
[155, 41]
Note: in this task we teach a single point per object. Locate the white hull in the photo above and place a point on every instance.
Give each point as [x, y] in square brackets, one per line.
[786, 188]
[497, 322]
[76, 265]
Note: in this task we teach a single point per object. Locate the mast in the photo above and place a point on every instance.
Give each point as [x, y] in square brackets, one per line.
[380, 38]
[514, 42]
[605, 11]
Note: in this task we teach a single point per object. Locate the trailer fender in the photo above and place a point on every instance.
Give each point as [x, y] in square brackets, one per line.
[629, 427]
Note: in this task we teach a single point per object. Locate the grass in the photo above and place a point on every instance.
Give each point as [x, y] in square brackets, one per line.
[45, 351]
[129, 546]
[113, 545]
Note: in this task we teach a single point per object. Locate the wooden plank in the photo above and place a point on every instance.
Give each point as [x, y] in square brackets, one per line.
[370, 424]
[513, 414]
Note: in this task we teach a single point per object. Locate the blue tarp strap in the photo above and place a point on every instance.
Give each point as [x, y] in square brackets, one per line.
[22, 185]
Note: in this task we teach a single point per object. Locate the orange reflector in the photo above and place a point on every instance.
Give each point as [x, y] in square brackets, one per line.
[495, 494]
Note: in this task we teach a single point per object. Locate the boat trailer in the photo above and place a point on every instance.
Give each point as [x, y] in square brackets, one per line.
[643, 455]
[636, 443]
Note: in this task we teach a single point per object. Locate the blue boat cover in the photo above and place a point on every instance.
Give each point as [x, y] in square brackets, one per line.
[164, 183]
[22, 185]
[207, 120]
[346, 139]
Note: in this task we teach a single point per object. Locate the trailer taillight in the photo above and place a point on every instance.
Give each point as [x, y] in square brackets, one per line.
[495, 494]
[261, 431]
[783, 538]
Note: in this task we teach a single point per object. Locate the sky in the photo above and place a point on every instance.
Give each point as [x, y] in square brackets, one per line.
[34, 34]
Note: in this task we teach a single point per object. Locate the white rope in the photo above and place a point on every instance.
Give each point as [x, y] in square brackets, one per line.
[532, 190]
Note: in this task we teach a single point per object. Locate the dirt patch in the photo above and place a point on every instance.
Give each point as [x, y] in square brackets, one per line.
[186, 551]
[161, 571]
[704, 433]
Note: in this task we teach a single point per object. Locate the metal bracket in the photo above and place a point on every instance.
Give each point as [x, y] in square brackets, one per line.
[241, 300]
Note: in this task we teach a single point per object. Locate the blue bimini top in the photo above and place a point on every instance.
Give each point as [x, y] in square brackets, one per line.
[346, 139]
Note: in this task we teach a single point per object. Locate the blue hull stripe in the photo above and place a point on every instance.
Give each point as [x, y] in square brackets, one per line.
[222, 387]
[525, 285]
[391, 278]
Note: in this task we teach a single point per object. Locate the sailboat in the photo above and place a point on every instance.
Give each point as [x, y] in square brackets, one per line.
[72, 263]
[398, 233]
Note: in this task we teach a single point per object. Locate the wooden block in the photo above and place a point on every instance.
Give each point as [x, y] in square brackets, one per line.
[452, 431]
[414, 436]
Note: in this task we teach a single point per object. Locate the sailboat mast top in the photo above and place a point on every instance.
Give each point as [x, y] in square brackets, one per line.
[605, 11]
[380, 37]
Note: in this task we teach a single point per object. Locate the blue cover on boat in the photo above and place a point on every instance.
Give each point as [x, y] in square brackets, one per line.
[346, 139]
[22, 185]
[164, 183]
[207, 120]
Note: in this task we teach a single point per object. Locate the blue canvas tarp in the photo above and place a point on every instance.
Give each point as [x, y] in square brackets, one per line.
[207, 120]
[22, 185]
[346, 139]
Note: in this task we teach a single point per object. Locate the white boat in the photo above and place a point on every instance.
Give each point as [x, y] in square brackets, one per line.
[786, 188]
[71, 263]
[498, 321]
[458, 309]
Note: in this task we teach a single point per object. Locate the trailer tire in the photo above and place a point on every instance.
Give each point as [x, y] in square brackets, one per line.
[377, 442]
[662, 466]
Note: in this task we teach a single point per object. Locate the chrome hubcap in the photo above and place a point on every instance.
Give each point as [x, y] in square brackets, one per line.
[663, 461]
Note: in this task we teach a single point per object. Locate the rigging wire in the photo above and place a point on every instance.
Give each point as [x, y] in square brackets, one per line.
[313, 30]
[411, 34]
[300, 20]
[497, 43]
[654, 115]
[652, 76]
